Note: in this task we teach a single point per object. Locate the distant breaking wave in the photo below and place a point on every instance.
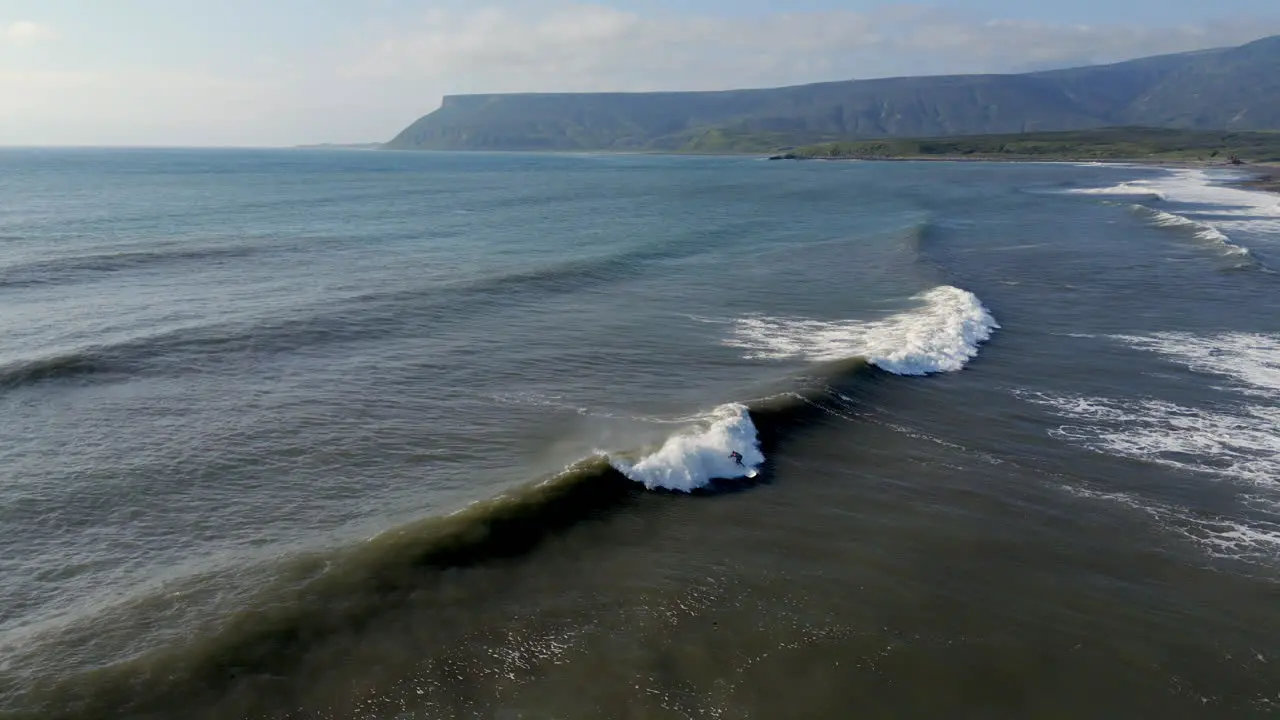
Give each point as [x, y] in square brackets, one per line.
[1233, 209]
[1201, 230]
[1140, 188]
[942, 335]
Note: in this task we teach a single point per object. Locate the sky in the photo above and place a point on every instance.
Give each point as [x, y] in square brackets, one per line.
[285, 72]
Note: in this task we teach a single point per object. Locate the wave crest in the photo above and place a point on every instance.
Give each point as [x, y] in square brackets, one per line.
[1198, 229]
[694, 458]
[942, 335]
[1140, 188]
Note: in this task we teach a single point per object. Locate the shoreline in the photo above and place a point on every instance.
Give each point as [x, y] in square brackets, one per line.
[1266, 178]
[1262, 177]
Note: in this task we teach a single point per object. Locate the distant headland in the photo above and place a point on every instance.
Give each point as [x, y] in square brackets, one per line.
[1225, 90]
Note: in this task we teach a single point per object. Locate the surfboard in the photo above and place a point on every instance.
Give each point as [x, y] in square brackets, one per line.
[752, 472]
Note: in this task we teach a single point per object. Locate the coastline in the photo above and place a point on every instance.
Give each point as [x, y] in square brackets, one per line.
[1266, 177]
[1263, 176]
[1149, 162]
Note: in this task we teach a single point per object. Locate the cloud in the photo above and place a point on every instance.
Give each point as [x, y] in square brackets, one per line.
[592, 47]
[401, 71]
[382, 77]
[25, 32]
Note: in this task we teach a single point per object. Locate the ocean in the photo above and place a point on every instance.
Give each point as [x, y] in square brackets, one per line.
[304, 434]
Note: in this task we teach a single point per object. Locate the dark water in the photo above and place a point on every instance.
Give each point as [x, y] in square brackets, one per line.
[381, 435]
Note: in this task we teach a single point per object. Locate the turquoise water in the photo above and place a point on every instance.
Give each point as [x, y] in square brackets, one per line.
[346, 434]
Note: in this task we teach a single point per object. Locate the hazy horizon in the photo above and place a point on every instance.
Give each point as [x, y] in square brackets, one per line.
[150, 74]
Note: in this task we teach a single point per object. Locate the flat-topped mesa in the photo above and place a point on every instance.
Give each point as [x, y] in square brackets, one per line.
[462, 102]
[1233, 88]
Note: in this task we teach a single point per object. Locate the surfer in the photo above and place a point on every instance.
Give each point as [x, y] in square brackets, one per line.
[737, 457]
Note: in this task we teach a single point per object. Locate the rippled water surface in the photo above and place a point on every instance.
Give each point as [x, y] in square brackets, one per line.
[309, 434]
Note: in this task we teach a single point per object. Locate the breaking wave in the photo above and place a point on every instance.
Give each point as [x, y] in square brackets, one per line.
[315, 602]
[1214, 212]
[1200, 230]
[941, 335]
[1140, 188]
[692, 459]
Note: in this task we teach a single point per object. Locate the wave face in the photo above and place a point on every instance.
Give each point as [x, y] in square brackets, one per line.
[942, 335]
[55, 368]
[692, 459]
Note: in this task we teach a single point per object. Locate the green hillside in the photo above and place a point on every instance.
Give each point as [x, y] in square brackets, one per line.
[1235, 89]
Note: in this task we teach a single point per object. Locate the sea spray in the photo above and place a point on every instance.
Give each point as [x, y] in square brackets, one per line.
[941, 335]
[692, 458]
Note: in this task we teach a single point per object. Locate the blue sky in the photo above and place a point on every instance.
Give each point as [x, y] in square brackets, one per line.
[182, 72]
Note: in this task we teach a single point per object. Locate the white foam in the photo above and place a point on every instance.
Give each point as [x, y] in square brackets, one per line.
[1251, 359]
[942, 335]
[1237, 438]
[1133, 187]
[1219, 536]
[692, 458]
[1203, 230]
[1252, 209]
[1238, 443]
[1234, 210]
